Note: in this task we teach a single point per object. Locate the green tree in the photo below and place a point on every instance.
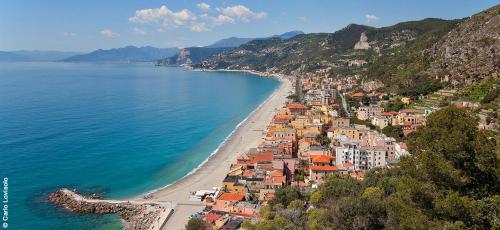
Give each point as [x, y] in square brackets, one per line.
[286, 195]
[196, 224]
[395, 131]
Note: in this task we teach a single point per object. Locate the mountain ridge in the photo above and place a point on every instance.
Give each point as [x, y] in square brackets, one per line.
[124, 54]
[236, 41]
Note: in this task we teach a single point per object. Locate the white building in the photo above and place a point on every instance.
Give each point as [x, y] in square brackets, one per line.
[349, 152]
[375, 156]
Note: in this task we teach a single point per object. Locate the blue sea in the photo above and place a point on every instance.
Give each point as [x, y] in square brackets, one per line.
[116, 129]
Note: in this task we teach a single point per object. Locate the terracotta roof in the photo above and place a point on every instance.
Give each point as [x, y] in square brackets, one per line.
[392, 113]
[231, 196]
[275, 180]
[211, 217]
[296, 106]
[277, 173]
[407, 111]
[348, 164]
[322, 159]
[358, 94]
[324, 168]
[261, 157]
[248, 172]
[406, 123]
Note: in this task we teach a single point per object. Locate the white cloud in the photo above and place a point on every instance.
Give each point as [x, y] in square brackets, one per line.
[163, 17]
[68, 34]
[109, 33]
[242, 13]
[219, 20]
[370, 18]
[139, 31]
[203, 6]
[199, 27]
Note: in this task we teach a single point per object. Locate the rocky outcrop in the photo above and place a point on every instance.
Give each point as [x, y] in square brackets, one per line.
[184, 57]
[372, 85]
[192, 55]
[362, 44]
[468, 53]
[137, 215]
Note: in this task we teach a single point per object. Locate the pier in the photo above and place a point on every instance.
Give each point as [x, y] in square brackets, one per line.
[137, 215]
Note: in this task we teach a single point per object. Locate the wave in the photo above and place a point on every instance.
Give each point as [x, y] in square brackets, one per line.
[228, 137]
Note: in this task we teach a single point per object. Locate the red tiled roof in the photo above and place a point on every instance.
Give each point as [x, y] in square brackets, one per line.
[358, 94]
[296, 106]
[211, 217]
[407, 111]
[261, 157]
[231, 196]
[406, 123]
[348, 164]
[391, 113]
[277, 173]
[322, 159]
[323, 168]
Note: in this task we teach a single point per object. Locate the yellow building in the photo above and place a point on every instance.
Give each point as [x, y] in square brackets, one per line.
[231, 185]
[406, 100]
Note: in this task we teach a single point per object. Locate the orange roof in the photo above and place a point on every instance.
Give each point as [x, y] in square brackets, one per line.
[248, 173]
[322, 159]
[231, 196]
[261, 157]
[323, 168]
[406, 123]
[348, 164]
[407, 111]
[275, 180]
[296, 106]
[211, 217]
[391, 113]
[277, 173]
[358, 94]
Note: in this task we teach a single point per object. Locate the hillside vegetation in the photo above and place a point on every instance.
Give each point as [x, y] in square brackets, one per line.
[451, 181]
[410, 58]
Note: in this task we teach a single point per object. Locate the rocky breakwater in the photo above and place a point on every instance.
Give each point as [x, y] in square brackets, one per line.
[136, 215]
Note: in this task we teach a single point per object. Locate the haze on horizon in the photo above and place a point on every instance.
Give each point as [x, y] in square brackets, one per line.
[76, 26]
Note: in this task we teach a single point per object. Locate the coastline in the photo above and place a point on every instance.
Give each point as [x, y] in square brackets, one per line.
[280, 78]
[210, 173]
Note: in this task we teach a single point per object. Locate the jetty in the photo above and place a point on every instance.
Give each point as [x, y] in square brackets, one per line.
[137, 215]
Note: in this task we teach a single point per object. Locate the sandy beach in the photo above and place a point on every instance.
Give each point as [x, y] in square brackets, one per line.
[248, 135]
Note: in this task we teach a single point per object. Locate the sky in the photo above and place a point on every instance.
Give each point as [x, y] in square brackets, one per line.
[83, 26]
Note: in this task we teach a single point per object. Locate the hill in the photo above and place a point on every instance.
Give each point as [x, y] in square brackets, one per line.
[469, 53]
[35, 55]
[192, 55]
[125, 54]
[351, 50]
[235, 41]
[409, 58]
[9, 56]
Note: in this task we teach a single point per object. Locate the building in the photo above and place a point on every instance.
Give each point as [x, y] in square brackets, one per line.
[375, 156]
[367, 112]
[349, 152]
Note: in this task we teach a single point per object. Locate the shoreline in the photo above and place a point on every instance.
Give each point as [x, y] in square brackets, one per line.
[278, 77]
[214, 152]
[211, 172]
[208, 175]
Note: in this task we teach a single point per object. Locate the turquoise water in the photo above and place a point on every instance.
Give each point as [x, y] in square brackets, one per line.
[116, 129]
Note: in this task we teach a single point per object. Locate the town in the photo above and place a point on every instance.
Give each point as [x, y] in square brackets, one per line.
[328, 126]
